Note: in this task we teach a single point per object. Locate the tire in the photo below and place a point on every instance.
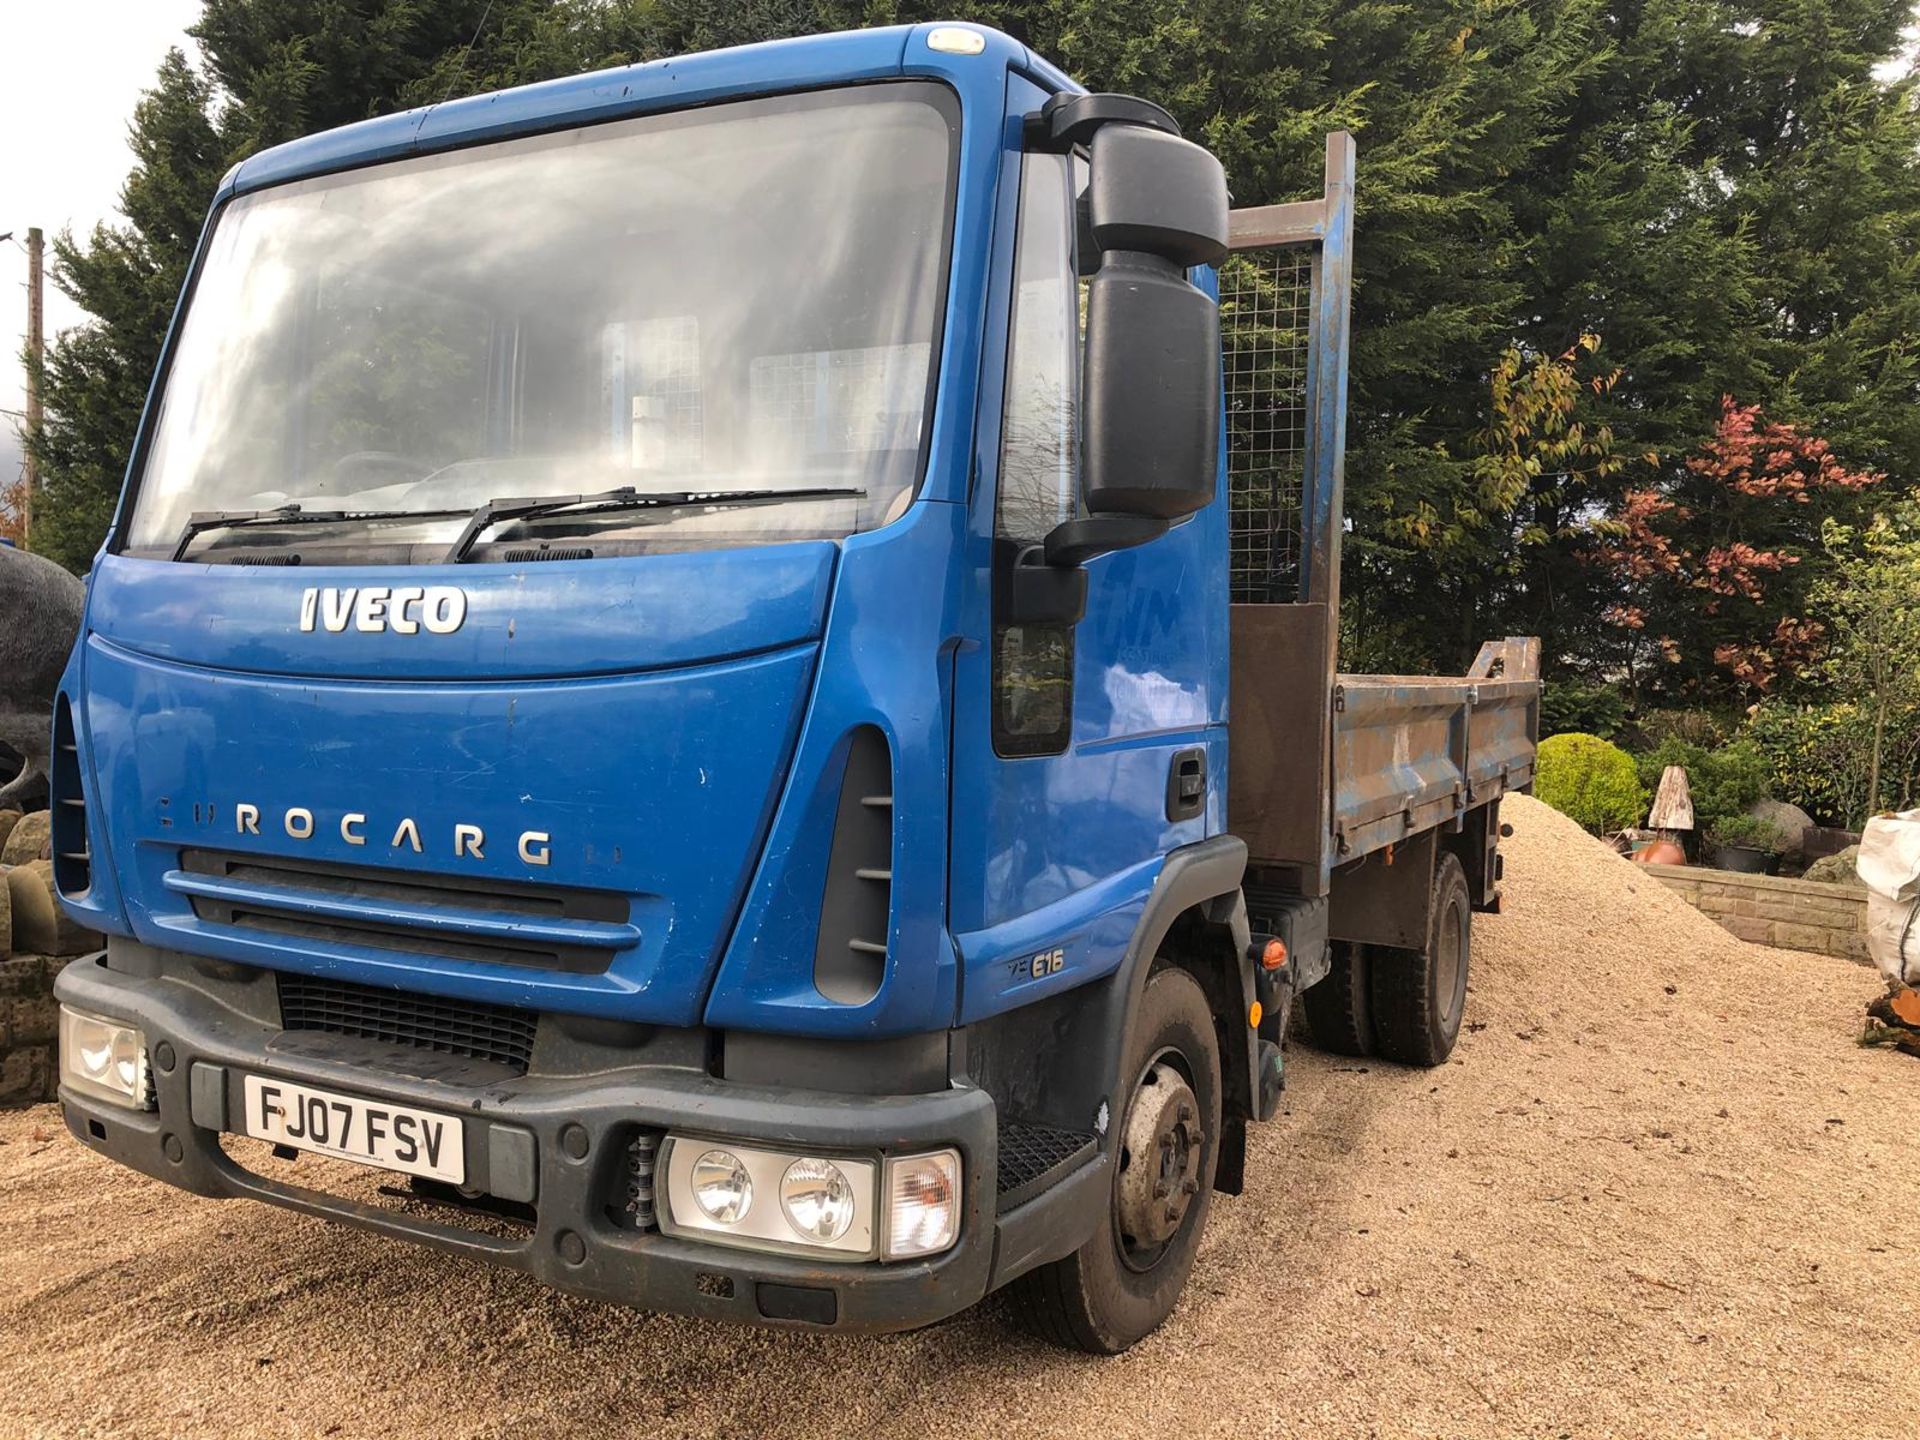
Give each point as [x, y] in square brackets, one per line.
[1119, 1287]
[1419, 996]
[1340, 1008]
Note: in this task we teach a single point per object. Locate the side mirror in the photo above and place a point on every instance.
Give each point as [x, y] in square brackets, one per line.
[1156, 204]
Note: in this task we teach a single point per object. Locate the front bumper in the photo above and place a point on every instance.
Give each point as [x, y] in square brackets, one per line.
[561, 1143]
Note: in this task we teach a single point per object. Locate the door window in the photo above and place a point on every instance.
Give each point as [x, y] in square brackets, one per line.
[1039, 455]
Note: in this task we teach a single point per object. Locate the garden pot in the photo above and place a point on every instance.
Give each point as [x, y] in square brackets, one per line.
[1745, 860]
[1661, 852]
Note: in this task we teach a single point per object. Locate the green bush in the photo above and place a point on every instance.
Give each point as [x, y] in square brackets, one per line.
[1568, 707]
[1748, 831]
[1819, 758]
[1589, 781]
[1723, 782]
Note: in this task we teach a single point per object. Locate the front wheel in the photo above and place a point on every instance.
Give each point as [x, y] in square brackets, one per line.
[1124, 1282]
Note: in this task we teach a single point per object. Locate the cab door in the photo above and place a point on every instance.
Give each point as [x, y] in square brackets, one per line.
[1082, 753]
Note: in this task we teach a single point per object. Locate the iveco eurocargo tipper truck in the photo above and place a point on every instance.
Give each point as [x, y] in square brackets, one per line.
[712, 683]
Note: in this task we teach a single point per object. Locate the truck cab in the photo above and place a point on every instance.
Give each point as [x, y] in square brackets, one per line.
[662, 673]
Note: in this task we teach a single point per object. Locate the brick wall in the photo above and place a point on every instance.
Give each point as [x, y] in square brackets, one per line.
[1792, 914]
[28, 1020]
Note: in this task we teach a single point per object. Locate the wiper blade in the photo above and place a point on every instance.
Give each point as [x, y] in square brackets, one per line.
[527, 507]
[202, 521]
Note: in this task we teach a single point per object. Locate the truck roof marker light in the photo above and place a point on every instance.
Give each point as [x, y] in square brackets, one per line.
[1274, 955]
[955, 40]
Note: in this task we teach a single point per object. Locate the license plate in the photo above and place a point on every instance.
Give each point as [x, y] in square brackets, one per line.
[372, 1132]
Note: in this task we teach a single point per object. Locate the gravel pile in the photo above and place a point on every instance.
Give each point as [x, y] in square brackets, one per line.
[1658, 1191]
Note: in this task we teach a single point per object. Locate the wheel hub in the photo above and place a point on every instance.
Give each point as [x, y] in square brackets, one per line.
[1163, 1142]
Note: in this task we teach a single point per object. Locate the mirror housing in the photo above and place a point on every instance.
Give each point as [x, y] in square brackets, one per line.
[1156, 205]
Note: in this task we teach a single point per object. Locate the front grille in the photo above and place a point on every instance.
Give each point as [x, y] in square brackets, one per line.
[455, 918]
[399, 1017]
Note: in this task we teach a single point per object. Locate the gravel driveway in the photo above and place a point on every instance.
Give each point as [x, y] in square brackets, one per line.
[1658, 1191]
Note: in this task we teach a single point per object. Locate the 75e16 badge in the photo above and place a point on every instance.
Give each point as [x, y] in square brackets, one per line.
[1036, 967]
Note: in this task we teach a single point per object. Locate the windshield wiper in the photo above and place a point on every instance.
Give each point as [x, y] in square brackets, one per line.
[526, 507]
[203, 520]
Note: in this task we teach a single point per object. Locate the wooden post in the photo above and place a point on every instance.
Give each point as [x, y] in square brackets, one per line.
[1673, 805]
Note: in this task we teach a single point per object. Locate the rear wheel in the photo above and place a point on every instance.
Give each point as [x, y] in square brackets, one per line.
[1419, 996]
[1340, 1008]
[1124, 1282]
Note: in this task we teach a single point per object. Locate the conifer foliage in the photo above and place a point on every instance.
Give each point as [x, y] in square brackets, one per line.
[1686, 200]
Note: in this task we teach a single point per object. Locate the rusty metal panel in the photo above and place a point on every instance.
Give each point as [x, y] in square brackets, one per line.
[1411, 753]
[1500, 745]
[1515, 658]
[1399, 759]
[1385, 899]
[1277, 716]
[1257, 227]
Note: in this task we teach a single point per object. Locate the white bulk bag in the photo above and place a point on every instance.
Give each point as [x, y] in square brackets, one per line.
[1889, 866]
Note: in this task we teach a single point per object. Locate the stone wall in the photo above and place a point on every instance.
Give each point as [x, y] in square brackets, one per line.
[29, 1019]
[1792, 914]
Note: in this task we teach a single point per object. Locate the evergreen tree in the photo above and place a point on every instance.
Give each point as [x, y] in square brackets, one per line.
[1725, 195]
[274, 70]
[128, 278]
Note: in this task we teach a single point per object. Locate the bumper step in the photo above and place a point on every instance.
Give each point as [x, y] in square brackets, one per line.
[1035, 1157]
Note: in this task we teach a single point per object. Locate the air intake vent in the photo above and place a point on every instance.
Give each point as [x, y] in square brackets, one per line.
[358, 907]
[856, 911]
[517, 557]
[72, 861]
[255, 559]
[399, 1017]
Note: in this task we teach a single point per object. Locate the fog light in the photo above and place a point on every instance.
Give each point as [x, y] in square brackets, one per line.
[923, 1204]
[721, 1187]
[104, 1058]
[817, 1198]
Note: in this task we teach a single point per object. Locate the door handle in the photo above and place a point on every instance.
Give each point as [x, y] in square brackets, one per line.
[1187, 784]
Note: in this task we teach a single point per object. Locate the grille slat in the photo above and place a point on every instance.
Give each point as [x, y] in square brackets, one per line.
[468, 1028]
[351, 907]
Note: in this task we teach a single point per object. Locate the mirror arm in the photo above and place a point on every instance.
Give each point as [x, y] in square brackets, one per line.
[1074, 542]
[1068, 119]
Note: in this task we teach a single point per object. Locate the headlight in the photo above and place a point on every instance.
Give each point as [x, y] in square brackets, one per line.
[833, 1207]
[726, 1193]
[721, 1187]
[105, 1058]
[817, 1198]
[923, 1203]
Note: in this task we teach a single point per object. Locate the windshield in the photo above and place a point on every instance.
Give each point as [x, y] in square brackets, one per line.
[743, 298]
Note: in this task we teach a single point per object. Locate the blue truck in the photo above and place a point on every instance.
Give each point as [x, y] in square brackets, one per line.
[725, 671]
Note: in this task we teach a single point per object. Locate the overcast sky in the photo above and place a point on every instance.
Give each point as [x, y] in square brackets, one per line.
[71, 72]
